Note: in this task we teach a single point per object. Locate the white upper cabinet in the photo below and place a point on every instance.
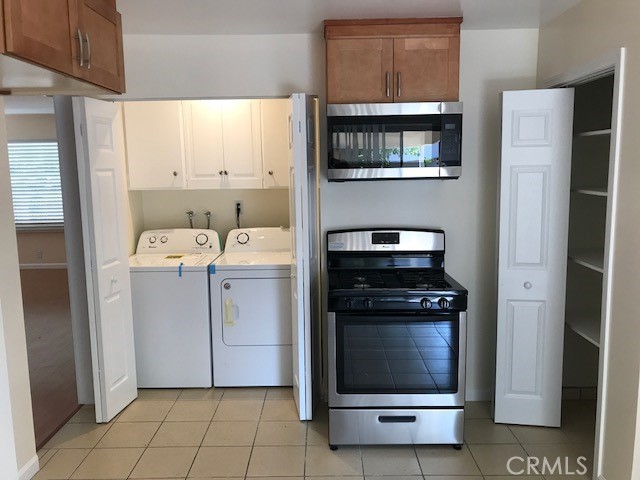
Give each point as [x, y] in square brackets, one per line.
[154, 144]
[223, 144]
[275, 142]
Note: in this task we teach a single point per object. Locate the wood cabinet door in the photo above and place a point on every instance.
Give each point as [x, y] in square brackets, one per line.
[203, 141]
[275, 142]
[426, 69]
[359, 70]
[155, 147]
[101, 27]
[43, 32]
[241, 143]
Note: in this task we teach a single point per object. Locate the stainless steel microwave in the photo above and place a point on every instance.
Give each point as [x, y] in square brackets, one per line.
[376, 141]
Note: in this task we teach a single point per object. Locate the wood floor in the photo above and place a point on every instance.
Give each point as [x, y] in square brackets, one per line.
[50, 349]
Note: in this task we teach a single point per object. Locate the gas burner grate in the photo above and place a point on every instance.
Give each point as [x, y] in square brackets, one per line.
[391, 279]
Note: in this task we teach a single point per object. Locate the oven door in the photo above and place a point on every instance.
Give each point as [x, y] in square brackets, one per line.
[396, 360]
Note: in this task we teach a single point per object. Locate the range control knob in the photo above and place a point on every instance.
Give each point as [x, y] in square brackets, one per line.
[164, 239]
[443, 303]
[425, 303]
[242, 238]
[368, 303]
[202, 238]
[348, 303]
[152, 239]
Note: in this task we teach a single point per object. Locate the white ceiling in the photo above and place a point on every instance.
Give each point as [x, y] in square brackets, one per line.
[248, 17]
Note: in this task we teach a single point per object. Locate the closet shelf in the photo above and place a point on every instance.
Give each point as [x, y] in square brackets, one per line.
[594, 133]
[586, 325]
[595, 191]
[590, 258]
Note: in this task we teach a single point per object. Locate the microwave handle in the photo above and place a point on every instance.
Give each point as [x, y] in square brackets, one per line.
[388, 84]
[399, 84]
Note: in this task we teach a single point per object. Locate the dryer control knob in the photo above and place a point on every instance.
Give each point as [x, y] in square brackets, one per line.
[152, 239]
[368, 303]
[202, 238]
[164, 239]
[425, 303]
[242, 238]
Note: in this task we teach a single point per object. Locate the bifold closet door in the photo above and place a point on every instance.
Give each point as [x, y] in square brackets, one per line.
[532, 260]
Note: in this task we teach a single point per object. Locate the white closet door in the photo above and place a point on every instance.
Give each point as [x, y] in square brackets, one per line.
[532, 260]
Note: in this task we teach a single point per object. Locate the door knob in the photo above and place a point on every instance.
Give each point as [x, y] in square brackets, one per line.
[527, 285]
[114, 279]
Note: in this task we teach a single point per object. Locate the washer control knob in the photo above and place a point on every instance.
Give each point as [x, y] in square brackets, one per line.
[348, 303]
[164, 239]
[443, 303]
[202, 238]
[152, 239]
[242, 238]
[368, 303]
[425, 303]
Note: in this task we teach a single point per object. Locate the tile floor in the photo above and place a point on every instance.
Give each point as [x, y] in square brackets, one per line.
[241, 433]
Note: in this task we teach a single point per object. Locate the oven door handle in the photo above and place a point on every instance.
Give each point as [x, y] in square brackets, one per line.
[396, 418]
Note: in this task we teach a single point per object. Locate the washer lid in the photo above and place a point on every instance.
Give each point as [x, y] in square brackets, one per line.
[170, 262]
[253, 260]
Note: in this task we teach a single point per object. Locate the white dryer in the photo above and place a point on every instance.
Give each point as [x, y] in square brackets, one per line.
[251, 309]
[170, 295]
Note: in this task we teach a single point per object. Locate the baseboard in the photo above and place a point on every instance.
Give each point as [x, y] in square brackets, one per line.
[43, 266]
[478, 394]
[30, 469]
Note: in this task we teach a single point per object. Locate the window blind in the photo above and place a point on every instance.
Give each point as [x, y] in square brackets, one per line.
[35, 183]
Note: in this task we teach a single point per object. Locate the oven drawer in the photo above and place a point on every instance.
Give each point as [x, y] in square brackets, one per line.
[401, 426]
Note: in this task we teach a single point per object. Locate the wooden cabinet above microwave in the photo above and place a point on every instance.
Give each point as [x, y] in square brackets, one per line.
[394, 60]
[74, 41]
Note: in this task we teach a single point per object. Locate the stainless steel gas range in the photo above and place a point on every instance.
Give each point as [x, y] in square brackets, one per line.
[397, 337]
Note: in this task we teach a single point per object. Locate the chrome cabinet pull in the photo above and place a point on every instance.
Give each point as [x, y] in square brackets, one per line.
[399, 83]
[388, 84]
[81, 56]
[88, 51]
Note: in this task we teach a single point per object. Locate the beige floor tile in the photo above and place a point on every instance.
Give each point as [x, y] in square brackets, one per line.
[279, 410]
[192, 411]
[284, 461]
[230, 434]
[538, 434]
[165, 462]
[238, 410]
[483, 430]
[221, 462]
[86, 414]
[318, 432]
[238, 393]
[352, 477]
[445, 460]
[159, 393]
[323, 462]
[146, 411]
[122, 435]
[78, 435]
[180, 434]
[62, 464]
[279, 392]
[521, 477]
[45, 455]
[201, 394]
[108, 463]
[477, 410]
[392, 477]
[457, 477]
[281, 433]
[492, 459]
[390, 460]
[575, 457]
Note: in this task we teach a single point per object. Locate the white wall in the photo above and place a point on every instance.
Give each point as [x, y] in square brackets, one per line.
[585, 33]
[13, 316]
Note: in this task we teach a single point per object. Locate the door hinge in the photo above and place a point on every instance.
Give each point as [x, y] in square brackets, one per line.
[81, 131]
[299, 127]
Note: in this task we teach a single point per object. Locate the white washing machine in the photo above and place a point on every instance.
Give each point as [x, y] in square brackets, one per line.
[251, 309]
[171, 320]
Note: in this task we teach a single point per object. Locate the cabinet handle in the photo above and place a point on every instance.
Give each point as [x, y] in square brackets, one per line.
[226, 173]
[88, 50]
[175, 174]
[399, 83]
[270, 172]
[81, 56]
[388, 84]
[221, 172]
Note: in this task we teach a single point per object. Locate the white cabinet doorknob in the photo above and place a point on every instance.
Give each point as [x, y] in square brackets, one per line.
[527, 285]
[114, 279]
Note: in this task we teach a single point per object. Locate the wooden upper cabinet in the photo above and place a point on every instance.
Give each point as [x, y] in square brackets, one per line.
[395, 60]
[78, 38]
[43, 32]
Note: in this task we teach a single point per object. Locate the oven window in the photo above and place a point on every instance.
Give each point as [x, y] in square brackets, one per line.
[385, 354]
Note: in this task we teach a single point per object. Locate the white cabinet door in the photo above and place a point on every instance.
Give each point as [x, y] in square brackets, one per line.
[275, 143]
[100, 147]
[532, 259]
[203, 139]
[241, 143]
[155, 145]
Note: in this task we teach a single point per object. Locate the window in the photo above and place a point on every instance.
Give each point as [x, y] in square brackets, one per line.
[35, 183]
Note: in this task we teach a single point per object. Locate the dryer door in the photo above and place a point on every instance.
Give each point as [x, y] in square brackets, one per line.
[256, 311]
